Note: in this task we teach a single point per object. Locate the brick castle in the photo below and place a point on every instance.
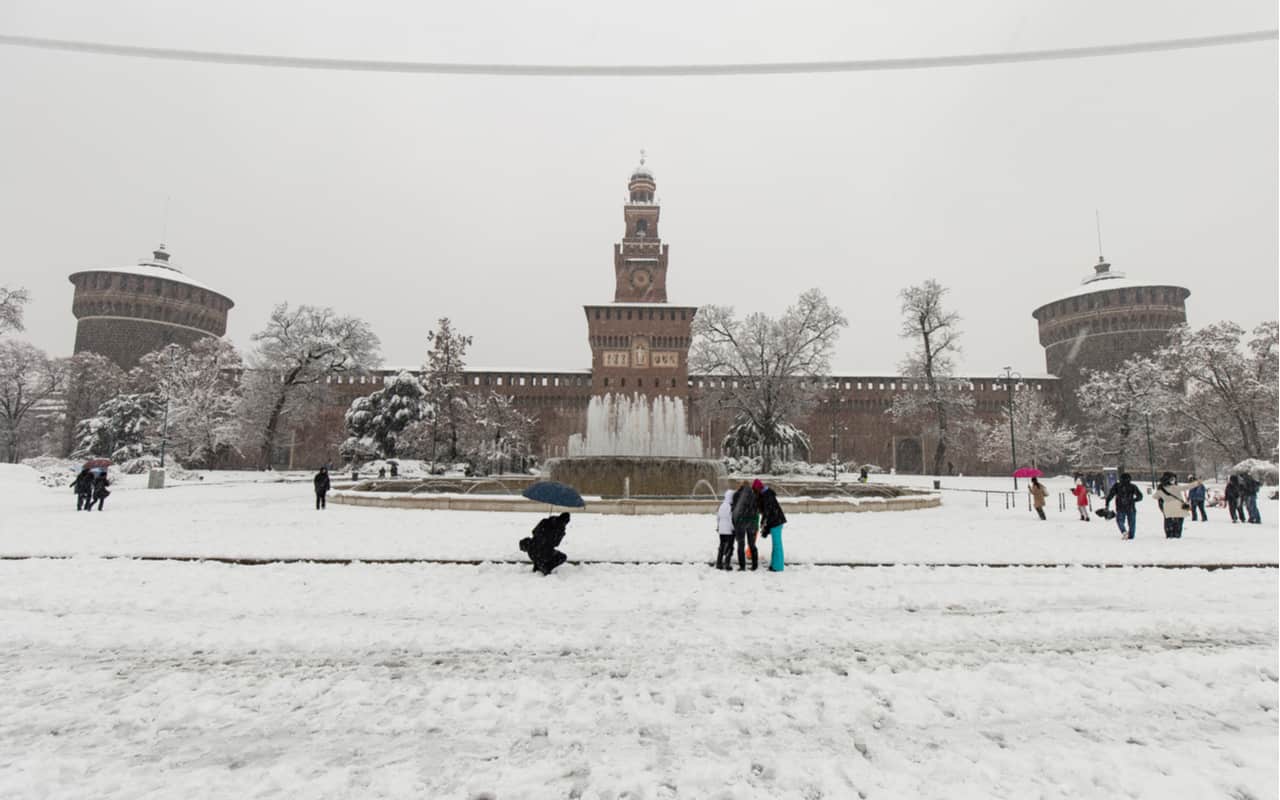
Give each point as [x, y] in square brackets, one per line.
[640, 343]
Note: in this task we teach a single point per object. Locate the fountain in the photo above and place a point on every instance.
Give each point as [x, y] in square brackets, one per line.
[635, 445]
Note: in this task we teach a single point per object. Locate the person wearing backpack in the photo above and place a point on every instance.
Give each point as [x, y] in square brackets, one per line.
[1127, 497]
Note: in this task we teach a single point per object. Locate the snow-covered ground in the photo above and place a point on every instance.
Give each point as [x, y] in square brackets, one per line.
[278, 520]
[125, 678]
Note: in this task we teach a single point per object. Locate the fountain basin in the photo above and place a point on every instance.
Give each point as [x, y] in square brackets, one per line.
[640, 476]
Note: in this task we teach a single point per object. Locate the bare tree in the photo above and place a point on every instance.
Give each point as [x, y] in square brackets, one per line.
[1224, 388]
[442, 376]
[1119, 405]
[12, 302]
[765, 372]
[1043, 438]
[297, 351]
[27, 378]
[940, 398]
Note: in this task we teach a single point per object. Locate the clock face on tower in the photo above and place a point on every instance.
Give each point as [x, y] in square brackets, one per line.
[640, 279]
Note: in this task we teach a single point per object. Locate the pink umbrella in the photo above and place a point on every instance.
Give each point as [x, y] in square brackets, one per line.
[1027, 472]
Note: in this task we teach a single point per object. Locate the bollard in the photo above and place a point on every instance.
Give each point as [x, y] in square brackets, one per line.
[986, 499]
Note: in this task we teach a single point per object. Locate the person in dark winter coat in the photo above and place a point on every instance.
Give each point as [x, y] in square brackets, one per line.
[746, 522]
[1196, 498]
[321, 481]
[100, 492]
[541, 546]
[1249, 497]
[1233, 498]
[1127, 497]
[771, 521]
[83, 485]
[724, 529]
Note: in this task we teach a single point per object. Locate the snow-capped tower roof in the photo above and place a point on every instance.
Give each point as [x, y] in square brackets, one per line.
[642, 186]
[158, 266]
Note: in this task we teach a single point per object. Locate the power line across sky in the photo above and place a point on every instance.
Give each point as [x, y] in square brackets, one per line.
[637, 70]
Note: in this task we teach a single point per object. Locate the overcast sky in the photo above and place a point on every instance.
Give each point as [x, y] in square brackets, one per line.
[496, 201]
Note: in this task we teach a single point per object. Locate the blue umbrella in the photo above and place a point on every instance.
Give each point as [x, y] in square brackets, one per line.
[554, 493]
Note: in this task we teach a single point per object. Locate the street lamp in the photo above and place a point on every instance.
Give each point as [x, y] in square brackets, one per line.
[1009, 381]
[1151, 457]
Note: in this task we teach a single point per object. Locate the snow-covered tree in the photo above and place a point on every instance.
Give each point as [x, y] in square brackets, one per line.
[1044, 440]
[1120, 406]
[442, 377]
[930, 365]
[296, 352]
[125, 427]
[374, 422]
[1224, 387]
[766, 372]
[201, 387]
[28, 377]
[745, 439]
[12, 302]
[497, 433]
[91, 378]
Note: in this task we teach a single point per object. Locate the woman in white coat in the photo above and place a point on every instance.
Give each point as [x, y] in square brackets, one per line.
[724, 527]
[1170, 497]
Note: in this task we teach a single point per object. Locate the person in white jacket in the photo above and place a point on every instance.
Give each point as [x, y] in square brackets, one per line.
[724, 527]
[1169, 496]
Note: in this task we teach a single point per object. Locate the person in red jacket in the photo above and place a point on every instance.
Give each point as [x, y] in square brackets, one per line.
[1082, 499]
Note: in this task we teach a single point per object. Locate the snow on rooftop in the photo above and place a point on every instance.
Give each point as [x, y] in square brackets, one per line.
[150, 268]
[1103, 280]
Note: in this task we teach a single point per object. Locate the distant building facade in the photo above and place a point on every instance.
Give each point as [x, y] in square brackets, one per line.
[124, 313]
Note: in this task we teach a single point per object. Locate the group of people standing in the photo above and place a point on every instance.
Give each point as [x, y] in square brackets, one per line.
[91, 488]
[750, 510]
[1241, 497]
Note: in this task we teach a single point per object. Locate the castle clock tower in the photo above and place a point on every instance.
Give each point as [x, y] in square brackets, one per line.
[640, 343]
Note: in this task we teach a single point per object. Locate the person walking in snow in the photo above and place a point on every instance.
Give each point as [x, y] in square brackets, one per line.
[100, 491]
[771, 521]
[1249, 488]
[1082, 499]
[321, 481]
[724, 527]
[541, 546]
[1127, 497]
[1172, 506]
[746, 523]
[1196, 498]
[1036, 488]
[83, 486]
[1232, 498]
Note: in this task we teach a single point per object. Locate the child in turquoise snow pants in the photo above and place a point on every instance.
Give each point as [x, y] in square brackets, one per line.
[775, 555]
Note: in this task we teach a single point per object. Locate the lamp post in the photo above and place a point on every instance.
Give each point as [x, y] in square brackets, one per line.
[1151, 457]
[1010, 377]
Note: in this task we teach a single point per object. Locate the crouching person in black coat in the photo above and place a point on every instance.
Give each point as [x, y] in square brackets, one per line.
[541, 546]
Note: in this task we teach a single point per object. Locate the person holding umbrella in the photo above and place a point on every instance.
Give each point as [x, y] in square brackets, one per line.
[100, 491]
[549, 532]
[83, 486]
[1036, 488]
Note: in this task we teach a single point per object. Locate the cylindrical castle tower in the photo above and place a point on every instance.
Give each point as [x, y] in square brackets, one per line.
[126, 312]
[1109, 319]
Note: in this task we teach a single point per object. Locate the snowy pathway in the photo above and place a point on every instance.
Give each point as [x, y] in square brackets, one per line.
[129, 679]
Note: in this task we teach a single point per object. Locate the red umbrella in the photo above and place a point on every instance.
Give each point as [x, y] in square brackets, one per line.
[1027, 472]
[97, 463]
